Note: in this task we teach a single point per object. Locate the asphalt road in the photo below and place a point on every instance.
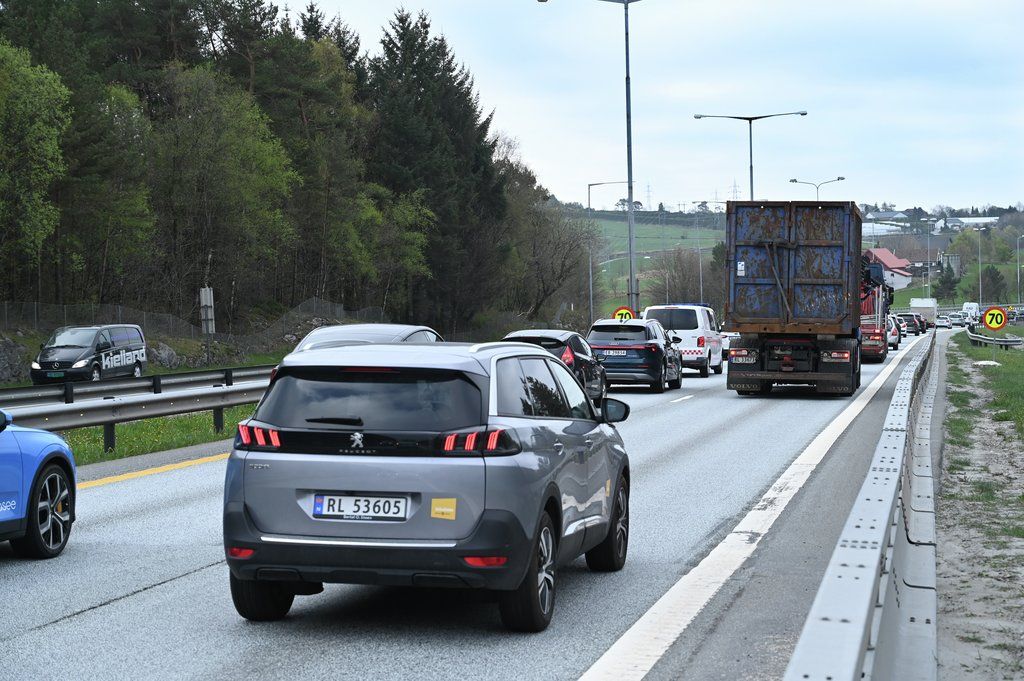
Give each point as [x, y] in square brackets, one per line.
[142, 588]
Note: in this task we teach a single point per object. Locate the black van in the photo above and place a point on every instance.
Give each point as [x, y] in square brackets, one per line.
[89, 353]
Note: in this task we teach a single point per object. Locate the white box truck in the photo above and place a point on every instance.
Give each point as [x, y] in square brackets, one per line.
[927, 308]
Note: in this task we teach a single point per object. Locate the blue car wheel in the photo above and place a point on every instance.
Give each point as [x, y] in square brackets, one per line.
[49, 516]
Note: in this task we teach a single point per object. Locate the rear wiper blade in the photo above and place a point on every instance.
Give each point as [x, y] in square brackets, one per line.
[341, 421]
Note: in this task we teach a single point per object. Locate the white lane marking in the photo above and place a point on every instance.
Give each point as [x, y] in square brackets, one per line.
[639, 649]
[682, 398]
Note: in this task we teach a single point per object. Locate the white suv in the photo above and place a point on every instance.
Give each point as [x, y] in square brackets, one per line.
[701, 346]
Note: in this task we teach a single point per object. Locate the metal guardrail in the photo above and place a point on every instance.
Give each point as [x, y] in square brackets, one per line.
[68, 393]
[118, 401]
[874, 616]
[1004, 343]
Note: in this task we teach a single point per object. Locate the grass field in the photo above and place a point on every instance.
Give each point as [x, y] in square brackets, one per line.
[1006, 381]
[656, 237]
[154, 435]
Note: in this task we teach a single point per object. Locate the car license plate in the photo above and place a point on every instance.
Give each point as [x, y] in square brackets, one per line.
[615, 353]
[55, 374]
[359, 507]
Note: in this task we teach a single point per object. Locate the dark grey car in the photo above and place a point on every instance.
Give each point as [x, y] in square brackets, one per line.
[440, 465]
[339, 335]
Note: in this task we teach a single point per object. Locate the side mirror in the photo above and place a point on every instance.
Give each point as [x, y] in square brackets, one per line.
[5, 420]
[676, 339]
[599, 359]
[42, 345]
[614, 411]
[102, 346]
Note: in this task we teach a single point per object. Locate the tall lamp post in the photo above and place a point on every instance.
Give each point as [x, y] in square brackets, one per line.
[750, 127]
[634, 293]
[1018, 267]
[817, 185]
[980, 230]
[590, 251]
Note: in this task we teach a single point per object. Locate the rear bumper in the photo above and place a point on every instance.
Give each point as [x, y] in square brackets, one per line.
[874, 350]
[431, 563]
[634, 376]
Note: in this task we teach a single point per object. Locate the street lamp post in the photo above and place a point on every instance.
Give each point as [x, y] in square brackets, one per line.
[1018, 267]
[590, 251]
[750, 131]
[634, 292]
[817, 185]
[980, 230]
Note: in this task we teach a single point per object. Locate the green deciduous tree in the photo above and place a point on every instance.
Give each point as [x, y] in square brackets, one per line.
[33, 117]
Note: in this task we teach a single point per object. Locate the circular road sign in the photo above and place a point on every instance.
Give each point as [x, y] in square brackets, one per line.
[994, 318]
[623, 314]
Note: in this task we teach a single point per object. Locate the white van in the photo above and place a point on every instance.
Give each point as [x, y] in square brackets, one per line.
[971, 311]
[701, 346]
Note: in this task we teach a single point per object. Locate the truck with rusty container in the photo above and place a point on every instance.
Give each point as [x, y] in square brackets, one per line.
[794, 295]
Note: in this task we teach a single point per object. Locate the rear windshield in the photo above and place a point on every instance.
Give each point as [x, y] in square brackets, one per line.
[617, 333]
[676, 320]
[414, 400]
[548, 343]
[72, 338]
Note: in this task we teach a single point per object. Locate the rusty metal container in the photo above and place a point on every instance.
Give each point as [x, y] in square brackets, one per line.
[794, 267]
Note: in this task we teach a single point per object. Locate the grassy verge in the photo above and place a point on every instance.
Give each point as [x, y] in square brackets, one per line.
[1005, 381]
[153, 435]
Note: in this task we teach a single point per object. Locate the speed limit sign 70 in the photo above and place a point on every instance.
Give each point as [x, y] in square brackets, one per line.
[994, 318]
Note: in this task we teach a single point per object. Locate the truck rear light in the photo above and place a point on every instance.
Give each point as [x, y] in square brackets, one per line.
[742, 356]
[700, 341]
[567, 356]
[835, 356]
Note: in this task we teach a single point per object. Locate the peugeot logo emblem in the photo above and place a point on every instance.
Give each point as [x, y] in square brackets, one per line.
[357, 440]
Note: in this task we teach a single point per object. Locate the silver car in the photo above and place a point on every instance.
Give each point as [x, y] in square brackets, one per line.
[446, 465]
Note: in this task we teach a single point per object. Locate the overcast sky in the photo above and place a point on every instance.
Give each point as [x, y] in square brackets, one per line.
[915, 102]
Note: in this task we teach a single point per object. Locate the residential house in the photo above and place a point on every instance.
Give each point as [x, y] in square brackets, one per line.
[896, 274]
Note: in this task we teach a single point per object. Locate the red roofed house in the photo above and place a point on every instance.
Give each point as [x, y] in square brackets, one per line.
[896, 274]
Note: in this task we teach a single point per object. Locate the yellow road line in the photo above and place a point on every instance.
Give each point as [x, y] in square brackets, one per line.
[152, 471]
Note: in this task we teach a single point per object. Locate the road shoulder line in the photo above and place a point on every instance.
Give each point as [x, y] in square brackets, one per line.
[636, 652]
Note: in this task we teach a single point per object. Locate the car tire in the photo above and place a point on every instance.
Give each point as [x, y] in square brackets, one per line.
[137, 371]
[610, 554]
[49, 527]
[260, 601]
[705, 370]
[97, 374]
[530, 606]
[721, 367]
[677, 382]
[659, 386]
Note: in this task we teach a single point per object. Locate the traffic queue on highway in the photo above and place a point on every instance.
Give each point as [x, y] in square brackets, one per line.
[368, 457]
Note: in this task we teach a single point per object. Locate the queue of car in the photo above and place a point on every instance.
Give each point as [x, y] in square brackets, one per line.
[380, 454]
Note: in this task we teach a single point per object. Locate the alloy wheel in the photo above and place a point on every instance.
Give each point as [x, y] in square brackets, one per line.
[622, 524]
[545, 570]
[54, 511]
[95, 373]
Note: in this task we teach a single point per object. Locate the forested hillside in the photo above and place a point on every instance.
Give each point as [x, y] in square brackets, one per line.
[149, 148]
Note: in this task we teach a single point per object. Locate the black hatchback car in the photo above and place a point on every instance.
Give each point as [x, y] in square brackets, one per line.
[575, 353]
[84, 353]
[637, 351]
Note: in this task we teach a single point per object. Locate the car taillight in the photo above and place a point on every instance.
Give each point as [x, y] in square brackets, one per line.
[874, 338]
[568, 357]
[273, 373]
[700, 341]
[653, 347]
[497, 442]
[250, 436]
[240, 553]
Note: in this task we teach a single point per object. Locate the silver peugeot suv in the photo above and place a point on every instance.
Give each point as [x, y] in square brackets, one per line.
[439, 465]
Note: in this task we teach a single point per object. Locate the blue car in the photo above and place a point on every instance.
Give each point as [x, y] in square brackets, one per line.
[37, 490]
